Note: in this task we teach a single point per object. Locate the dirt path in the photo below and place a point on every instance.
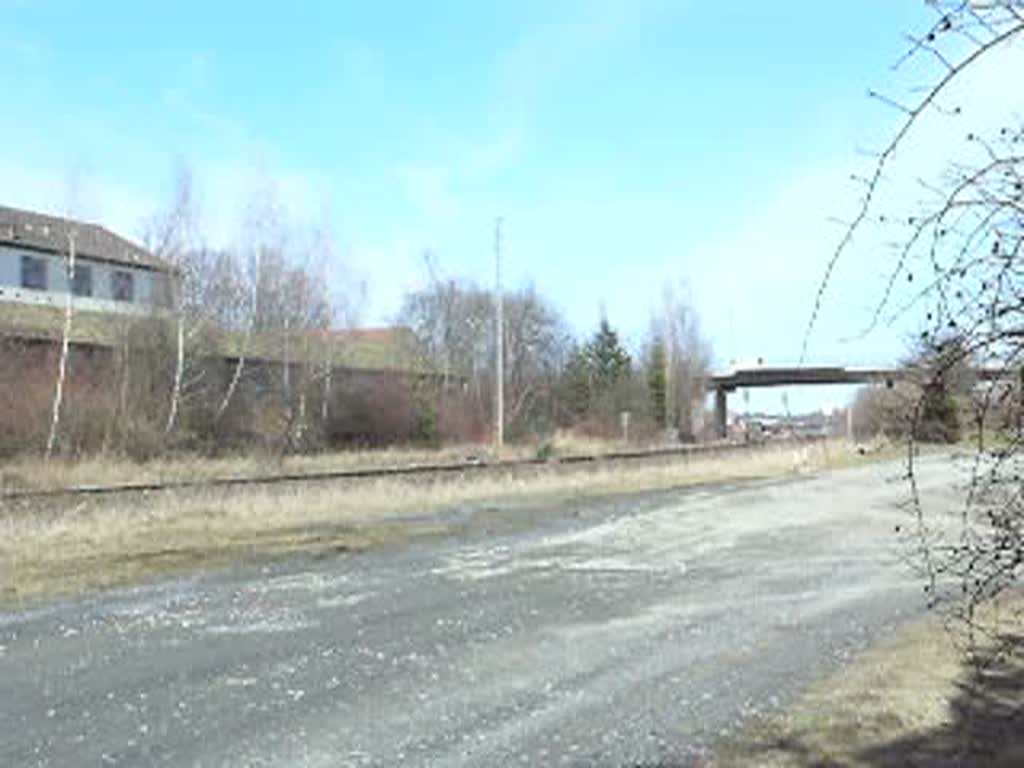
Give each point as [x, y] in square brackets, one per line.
[608, 633]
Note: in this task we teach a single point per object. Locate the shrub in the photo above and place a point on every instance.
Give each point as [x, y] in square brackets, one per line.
[374, 411]
[461, 419]
[546, 451]
[26, 391]
[884, 411]
[939, 416]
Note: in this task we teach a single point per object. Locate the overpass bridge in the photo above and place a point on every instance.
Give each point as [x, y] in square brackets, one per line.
[777, 376]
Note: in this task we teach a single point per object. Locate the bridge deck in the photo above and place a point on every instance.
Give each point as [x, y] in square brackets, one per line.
[775, 376]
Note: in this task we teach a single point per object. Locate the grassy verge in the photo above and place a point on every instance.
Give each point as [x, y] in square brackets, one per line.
[49, 551]
[911, 701]
[32, 473]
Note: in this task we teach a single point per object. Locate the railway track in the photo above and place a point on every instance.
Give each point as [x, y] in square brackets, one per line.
[411, 471]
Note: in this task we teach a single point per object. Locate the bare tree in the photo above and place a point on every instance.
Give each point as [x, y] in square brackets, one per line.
[265, 239]
[451, 319]
[171, 235]
[445, 294]
[536, 349]
[957, 266]
[687, 357]
[306, 313]
[65, 338]
[253, 309]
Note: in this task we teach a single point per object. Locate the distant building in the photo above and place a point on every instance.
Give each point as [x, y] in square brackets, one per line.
[116, 278]
[764, 426]
[112, 274]
[122, 295]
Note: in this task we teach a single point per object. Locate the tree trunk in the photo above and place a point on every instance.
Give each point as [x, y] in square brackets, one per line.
[300, 426]
[122, 395]
[239, 366]
[62, 366]
[286, 378]
[115, 423]
[179, 367]
[325, 401]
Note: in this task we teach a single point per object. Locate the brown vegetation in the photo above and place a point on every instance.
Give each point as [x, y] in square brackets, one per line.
[100, 542]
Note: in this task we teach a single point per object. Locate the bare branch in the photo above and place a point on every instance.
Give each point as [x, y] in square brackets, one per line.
[884, 158]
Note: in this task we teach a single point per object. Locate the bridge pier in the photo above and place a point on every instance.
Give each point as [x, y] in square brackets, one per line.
[721, 413]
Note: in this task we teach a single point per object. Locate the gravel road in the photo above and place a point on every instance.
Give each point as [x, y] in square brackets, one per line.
[614, 633]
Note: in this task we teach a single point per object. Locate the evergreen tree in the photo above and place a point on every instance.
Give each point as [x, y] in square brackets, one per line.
[939, 418]
[609, 361]
[945, 364]
[577, 384]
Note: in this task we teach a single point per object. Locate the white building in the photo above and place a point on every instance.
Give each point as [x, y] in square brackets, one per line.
[112, 274]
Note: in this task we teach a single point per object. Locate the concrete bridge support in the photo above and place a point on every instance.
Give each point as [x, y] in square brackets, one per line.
[721, 413]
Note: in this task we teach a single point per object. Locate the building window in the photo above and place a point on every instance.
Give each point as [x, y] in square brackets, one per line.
[122, 285]
[33, 273]
[82, 284]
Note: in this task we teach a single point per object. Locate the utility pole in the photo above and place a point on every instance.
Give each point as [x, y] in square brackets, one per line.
[499, 342]
[668, 344]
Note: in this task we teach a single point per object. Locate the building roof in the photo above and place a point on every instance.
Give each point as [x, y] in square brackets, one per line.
[43, 232]
[385, 334]
[398, 351]
[380, 348]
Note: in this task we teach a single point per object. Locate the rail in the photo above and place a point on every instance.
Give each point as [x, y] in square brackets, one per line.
[405, 470]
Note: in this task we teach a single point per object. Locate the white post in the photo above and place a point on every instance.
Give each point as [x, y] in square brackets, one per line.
[499, 342]
[62, 367]
[328, 370]
[179, 367]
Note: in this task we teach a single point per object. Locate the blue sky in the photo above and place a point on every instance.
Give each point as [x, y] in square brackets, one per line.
[625, 143]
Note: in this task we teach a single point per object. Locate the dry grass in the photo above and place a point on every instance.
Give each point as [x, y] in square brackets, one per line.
[568, 443]
[913, 700]
[109, 541]
[31, 473]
